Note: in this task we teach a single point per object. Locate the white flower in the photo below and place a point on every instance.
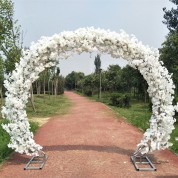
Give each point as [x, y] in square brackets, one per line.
[49, 50]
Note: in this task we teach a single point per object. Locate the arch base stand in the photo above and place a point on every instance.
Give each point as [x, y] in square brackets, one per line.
[142, 163]
[36, 162]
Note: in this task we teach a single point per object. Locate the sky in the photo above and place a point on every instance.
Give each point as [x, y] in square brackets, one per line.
[143, 18]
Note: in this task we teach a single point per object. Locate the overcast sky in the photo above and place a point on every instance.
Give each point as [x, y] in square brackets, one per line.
[143, 18]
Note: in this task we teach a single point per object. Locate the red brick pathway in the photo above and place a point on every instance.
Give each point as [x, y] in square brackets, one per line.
[89, 142]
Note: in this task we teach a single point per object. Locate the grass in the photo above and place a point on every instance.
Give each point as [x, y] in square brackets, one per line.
[45, 107]
[138, 115]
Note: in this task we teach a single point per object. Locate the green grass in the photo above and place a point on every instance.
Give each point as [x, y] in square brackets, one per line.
[174, 134]
[138, 115]
[47, 106]
[4, 140]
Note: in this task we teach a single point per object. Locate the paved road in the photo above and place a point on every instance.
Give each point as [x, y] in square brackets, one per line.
[89, 142]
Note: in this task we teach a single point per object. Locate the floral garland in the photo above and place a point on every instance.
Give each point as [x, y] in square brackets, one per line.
[49, 50]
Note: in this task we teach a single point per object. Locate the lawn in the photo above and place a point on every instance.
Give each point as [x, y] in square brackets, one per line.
[47, 106]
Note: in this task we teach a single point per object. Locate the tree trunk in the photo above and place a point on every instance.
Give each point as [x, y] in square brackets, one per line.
[38, 88]
[98, 86]
[49, 92]
[56, 87]
[44, 86]
[145, 93]
[52, 87]
[1, 95]
[32, 98]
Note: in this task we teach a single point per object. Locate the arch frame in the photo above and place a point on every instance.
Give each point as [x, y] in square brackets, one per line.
[48, 51]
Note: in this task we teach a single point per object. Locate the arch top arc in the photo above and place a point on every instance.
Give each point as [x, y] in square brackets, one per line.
[49, 50]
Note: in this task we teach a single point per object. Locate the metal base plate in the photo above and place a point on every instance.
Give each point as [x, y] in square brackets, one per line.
[142, 163]
[36, 162]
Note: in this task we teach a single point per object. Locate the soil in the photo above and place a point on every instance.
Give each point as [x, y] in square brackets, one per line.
[89, 142]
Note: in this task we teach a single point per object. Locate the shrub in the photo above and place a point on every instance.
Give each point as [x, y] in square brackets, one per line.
[126, 101]
[116, 99]
[88, 92]
[34, 126]
[4, 140]
[120, 100]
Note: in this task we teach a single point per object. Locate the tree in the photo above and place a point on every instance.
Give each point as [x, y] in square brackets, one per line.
[72, 80]
[61, 85]
[56, 81]
[171, 17]
[113, 75]
[89, 84]
[169, 55]
[10, 46]
[97, 63]
[169, 50]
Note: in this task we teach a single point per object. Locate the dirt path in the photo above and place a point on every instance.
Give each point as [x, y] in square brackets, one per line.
[89, 142]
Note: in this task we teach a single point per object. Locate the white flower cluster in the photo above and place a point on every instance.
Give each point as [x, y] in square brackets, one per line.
[49, 50]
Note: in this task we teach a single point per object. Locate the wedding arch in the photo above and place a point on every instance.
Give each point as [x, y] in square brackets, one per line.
[49, 50]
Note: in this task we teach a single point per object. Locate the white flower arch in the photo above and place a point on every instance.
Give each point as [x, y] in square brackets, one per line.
[49, 50]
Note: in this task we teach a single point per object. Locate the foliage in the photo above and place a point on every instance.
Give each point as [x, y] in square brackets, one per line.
[116, 99]
[115, 79]
[72, 79]
[169, 50]
[170, 17]
[34, 126]
[97, 63]
[169, 53]
[10, 46]
[88, 91]
[113, 76]
[173, 140]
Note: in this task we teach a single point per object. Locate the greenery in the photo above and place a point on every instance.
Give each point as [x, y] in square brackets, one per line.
[170, 17]
[120, 100]
[169, 50]
[72, 80]
[48, 105]
[10, 42]
[114, 79]
[97, 63]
